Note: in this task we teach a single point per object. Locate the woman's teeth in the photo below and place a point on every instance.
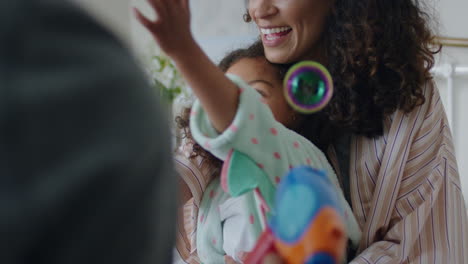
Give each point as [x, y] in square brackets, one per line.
[268, 31]
[271, 37]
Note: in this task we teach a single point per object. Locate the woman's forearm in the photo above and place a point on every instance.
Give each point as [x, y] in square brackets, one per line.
[218, 95]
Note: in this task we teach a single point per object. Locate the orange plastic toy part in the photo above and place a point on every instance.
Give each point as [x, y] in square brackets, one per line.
[325, 234]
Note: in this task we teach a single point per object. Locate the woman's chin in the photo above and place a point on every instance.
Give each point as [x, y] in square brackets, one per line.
[278, 56]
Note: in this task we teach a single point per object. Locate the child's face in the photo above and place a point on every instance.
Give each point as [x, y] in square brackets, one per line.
[263, 76]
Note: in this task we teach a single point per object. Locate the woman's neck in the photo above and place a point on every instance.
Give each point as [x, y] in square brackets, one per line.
[318, 53]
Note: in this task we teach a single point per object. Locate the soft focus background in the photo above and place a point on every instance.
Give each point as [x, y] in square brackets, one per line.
[218, 26]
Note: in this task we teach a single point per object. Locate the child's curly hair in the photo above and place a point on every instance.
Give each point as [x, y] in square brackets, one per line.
[183, 123]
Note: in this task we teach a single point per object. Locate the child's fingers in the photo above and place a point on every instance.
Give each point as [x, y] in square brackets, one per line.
[185, 4]
[174, 7]
[160, 6]
[143, 20]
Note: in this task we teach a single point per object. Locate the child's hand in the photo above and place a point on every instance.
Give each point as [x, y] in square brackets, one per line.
[171, 30]
[218, 95]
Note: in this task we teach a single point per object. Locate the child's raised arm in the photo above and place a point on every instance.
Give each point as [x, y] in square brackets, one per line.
[171, 30]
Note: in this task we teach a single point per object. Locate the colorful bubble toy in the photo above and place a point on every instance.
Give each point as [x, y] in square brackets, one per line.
[308, 87]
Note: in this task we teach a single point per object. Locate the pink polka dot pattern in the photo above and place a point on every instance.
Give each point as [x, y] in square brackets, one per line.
[274, 131]
[277, 155]
[291, 166]
[263, 211]
[212, 194]
[296, 144]
[251, 117]
[254, 141]
[233, 128]
[202, 217]
[277, 179]
[213, 241]
[207, 145]
[308, 161]
[251, 219]
[260, 165]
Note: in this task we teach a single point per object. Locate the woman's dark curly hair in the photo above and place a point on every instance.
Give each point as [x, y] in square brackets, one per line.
[379, 53]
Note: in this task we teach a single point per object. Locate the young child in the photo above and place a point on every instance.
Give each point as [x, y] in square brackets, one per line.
[248, 63]
[246, 112]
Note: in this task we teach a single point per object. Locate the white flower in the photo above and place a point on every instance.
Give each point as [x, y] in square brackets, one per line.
[160, 69]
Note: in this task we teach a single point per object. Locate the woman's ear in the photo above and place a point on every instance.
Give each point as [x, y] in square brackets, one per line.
[247, 18]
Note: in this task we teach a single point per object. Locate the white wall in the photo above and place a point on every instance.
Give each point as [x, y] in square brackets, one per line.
[216, 24]
[453, 17]
[113, 14]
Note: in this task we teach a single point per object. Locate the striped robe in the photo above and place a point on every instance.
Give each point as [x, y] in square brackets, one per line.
[405, 191]
[196, 173]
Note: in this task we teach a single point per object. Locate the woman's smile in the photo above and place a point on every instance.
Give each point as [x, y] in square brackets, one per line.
[275, 36]
[291, 30]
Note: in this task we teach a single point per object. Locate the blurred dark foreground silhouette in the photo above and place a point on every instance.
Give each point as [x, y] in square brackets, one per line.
[86, 174]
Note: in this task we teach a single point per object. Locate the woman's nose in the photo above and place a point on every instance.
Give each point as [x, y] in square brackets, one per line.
[259, 9]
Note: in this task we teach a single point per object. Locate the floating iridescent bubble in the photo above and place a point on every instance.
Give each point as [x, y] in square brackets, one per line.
[308, 87]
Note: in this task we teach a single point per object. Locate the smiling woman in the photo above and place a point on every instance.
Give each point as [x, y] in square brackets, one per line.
[290, 29]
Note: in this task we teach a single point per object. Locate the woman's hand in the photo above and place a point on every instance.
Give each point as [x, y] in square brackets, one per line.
[171, 30]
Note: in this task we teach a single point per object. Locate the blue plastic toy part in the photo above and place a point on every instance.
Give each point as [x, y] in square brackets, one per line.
[321, 258]
[300, 196]
[308, 87]
[307, 226]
